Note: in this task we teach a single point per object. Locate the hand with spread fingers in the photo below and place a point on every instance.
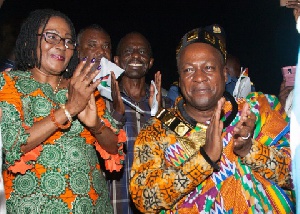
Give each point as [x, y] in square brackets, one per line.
[213, 145]
[118, 104]
[296, 6]
[243, 132]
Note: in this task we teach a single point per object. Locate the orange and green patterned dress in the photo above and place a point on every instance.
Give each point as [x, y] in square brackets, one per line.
[167, 178]
[61, 175]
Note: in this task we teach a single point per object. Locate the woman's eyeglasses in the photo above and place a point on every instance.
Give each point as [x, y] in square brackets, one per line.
[53, 38]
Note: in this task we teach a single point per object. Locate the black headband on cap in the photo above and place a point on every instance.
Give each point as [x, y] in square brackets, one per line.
[202, 36]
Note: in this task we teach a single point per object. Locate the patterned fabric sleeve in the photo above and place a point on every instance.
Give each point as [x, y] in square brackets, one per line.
[271, 163]
[13, 132]
[269, 158]
[155, 185]
[113, 162]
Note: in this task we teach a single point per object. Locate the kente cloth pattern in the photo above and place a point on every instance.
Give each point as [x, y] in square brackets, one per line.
[165, 179]
[61, 175]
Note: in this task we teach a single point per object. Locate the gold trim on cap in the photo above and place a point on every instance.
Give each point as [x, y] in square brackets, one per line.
[192, 35]
[210, 38]
[216, 29]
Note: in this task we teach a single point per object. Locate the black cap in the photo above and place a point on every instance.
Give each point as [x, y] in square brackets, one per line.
[202, 36]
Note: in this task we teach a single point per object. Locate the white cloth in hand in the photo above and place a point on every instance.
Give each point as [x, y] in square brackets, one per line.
[154, 107]
[106, 67]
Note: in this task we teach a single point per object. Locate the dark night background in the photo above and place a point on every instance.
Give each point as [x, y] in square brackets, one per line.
[260, 32]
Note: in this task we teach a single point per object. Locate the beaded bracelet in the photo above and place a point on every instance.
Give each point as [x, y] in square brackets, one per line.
[214, 165]
[60, 126]
[67, 113]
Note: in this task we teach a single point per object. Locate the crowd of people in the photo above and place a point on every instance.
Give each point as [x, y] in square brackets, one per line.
[67, 149]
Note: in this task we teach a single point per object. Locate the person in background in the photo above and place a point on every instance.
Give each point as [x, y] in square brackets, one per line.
[94, 42]
[51, 125]
[134, 55]
[233, 68]
[174, 91]
[210, 154]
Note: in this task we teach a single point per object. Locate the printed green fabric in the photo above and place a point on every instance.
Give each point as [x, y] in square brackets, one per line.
[66, 177]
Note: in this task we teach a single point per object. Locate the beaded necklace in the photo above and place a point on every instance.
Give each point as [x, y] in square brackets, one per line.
[56, 88]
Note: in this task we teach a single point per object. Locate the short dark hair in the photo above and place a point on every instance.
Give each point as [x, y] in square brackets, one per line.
[134, 32]
[26, 44]
[90, 27]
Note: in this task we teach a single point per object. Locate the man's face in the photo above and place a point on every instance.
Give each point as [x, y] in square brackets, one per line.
[202, 75]
[134, 56]
[94, 44]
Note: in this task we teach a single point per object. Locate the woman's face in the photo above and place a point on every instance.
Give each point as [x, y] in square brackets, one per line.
[54, 57]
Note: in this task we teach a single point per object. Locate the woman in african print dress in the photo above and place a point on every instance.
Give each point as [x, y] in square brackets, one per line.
[51, 125]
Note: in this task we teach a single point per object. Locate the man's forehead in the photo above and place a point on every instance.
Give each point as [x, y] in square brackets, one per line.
[93, 33]
[202, 49]
[134, 39]
[135, 44]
